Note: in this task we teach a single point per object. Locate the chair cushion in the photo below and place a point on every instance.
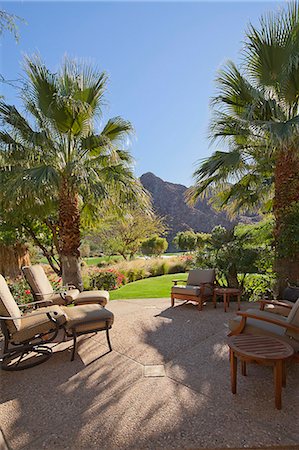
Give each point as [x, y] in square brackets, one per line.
[293, 319]
[32, 324]
[38, 281]
[186, 290]
[275, 309]
[71, 295]
[197, 276]
[99, 297]
[85, 318]
[9, 307]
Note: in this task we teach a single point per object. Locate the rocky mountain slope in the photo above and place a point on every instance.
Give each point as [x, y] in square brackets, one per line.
[169, 202]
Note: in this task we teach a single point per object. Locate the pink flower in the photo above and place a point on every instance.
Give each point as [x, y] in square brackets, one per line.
[27, 292]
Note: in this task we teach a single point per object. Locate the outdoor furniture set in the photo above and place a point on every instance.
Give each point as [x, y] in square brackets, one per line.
[200, 287]
[269, 336]
[26, 334]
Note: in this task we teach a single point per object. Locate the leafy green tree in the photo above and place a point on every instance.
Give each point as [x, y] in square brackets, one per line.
[59, 159]
[233, 253]
[124, 235]
[185, 240]
[256, 114]
[154, 245]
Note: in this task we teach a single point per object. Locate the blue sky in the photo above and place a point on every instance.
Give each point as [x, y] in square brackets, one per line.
[161, 58]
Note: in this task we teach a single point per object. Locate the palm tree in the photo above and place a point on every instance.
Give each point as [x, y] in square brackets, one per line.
[256, 116]
[58, 158]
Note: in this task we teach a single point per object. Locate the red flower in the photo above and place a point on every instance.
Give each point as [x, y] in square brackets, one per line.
[27, 292]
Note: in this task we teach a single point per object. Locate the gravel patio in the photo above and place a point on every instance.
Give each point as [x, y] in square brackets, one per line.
[166, 384]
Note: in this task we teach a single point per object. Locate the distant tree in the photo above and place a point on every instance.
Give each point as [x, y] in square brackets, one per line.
[238, 251]
[154, 245]
[185, 240]
[124, 236]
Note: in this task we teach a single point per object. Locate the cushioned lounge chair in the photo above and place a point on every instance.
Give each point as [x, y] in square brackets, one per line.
[42, 289]
[266, 323]
[199, 287]
[29, 332]
[26, 333]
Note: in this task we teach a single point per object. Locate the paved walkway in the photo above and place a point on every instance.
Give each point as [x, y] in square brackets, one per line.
[111, 401]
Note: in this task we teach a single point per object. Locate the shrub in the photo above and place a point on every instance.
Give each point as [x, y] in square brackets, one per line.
[108, 280]
[86, 283]
[134, 274]
[257, 286]
[20, 291]
[160, 268]
[154, 245]
[177, 268]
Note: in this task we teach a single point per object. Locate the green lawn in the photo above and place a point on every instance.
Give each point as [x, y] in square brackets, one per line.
[155, 287]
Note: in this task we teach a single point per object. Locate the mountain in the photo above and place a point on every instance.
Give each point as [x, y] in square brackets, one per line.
[169, 202]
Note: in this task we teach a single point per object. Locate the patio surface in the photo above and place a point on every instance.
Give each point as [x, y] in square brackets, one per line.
[115, 401]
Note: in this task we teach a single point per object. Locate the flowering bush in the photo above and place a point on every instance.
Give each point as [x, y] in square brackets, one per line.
[19, 290]
[108, 279]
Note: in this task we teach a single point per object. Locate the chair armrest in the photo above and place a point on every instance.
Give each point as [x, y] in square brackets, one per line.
[58, 291]
[273, 302]
[25, 305]
[178, 281]
[286, 325]
[49, 314]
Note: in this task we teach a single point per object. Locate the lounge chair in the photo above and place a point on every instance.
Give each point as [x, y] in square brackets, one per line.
[26, 333]
[199, 287]
[258, 322]
[42, 289]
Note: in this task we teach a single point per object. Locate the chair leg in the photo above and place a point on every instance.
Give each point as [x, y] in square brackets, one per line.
[108, 339]
[172, 300]
[74, 344]
[200, 302]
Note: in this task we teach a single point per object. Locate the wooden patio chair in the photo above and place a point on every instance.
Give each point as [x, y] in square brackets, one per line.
[258, 322]
[199, 287]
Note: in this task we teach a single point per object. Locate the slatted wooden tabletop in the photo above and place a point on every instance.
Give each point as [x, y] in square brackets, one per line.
[260, 347]
[226, 290]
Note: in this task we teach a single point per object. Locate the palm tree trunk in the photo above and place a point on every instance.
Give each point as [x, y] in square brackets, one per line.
[69, 235]
[285, 207]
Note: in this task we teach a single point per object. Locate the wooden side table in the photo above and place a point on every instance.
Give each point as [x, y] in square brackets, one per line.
[227, 292]
[262, 350]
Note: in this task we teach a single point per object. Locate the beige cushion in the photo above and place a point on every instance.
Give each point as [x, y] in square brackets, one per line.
[186, 290]
[275, 309]
[32, 324]
[99, 297]
[9, 307]
[71, 295]
[190, 290]
[86, 318]
[293, 319]
[198, 276]
[38, 281]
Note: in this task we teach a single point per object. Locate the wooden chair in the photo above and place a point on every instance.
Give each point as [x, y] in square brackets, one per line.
[199, 287]
[256, 322]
